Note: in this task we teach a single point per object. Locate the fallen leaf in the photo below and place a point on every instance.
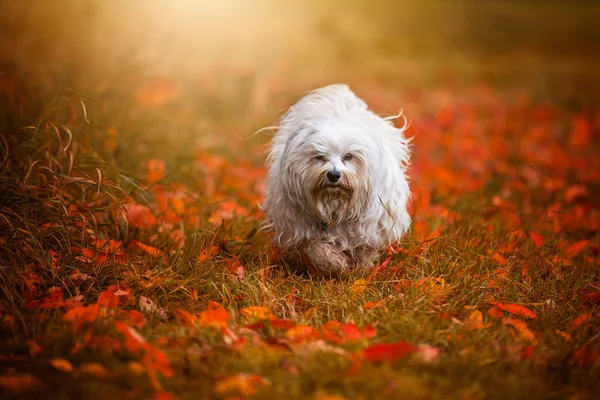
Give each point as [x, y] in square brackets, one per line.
[300, 333]
[186, 318]
[208, 253]
[521, 328]
[580, 320]
[358, 287]
[215, 315]
[108, 299]
[61, 364]
[153, 251]
[575, 249]
[94, 369]
[475, 321]
[257, 313]
[536, 238]
[515, 309]
[148, 306]
[373, 304]
[495, 312]
[140, 215]
[388, 352]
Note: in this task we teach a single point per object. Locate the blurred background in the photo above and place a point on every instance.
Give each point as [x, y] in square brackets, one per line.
[169, 79]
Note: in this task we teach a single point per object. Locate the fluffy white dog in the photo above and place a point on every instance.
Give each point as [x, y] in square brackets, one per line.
[336, 185]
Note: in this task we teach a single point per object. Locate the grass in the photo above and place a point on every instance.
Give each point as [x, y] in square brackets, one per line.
[505, 181]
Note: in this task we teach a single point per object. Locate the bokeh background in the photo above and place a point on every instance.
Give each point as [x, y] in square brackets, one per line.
[177, 80]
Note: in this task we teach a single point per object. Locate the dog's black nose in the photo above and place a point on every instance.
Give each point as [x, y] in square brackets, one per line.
[334, 175]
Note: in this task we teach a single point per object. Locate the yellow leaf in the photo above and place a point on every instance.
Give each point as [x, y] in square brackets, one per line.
[254, 313]
[475, 321]
[359, 286]
[61, 364]
[476, 316]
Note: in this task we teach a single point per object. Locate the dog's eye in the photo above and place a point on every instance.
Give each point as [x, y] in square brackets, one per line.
[348, 157]
[320, 157]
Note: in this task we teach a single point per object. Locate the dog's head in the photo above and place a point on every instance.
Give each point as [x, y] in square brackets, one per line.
[326, 167]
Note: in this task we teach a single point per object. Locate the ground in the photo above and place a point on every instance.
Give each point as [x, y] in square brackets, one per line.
[132, 263]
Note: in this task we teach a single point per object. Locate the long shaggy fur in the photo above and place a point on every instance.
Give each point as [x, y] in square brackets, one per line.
[331, 227]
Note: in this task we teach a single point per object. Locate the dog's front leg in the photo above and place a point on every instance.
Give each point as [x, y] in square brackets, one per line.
[323, 258]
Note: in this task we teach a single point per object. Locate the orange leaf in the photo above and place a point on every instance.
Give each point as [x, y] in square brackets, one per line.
[521, 327]
[257, 313]
[373, 304]
[61, 364]
[388, 352]
[515, 309]
[215, 315]
[94, 369]
[300, 333]
[140, 215]
[153, 251]
[495, 312]
[208, 253]
[499, 258]
[186, 318]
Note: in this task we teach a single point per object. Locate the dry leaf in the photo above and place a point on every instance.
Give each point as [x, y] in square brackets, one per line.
[358, 287]
[515, 309]
[61, 364]
[148, 306]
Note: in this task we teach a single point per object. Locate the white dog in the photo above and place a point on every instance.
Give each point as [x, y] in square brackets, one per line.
[336, 185]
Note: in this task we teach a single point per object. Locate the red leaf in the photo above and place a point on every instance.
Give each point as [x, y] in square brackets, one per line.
[576, 248]
[537, 239]
[581, 319]
[388, 352]
[108, 299]
[515, 309]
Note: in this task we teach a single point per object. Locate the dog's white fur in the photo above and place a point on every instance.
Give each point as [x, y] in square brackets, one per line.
[328, 227]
